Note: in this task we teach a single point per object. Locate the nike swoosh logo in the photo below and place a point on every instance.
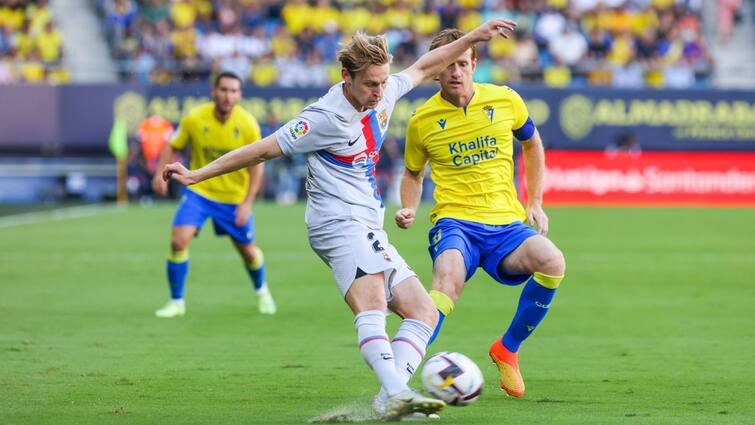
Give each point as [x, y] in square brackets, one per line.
[351, 143]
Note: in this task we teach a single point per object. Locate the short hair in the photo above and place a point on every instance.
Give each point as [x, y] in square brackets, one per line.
[363, 51]
[226, 74]
[448, 36]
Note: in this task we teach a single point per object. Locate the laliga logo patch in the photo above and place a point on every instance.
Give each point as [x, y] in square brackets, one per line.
[300, 129]
[383, 119]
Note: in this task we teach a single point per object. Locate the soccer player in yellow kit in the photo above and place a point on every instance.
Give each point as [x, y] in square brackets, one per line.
[466, 133]
[212, 130]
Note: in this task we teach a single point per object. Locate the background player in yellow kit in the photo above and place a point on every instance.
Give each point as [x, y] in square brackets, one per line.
[211, 130]
[466, 132]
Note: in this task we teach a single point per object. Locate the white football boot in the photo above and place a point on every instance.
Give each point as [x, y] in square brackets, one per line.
[265, 303]
[174, 308]
[411, 405]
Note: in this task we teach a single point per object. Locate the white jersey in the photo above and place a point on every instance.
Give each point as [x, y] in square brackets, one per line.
[343, 146]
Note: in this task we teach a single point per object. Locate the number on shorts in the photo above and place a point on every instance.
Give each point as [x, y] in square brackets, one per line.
[375, 245]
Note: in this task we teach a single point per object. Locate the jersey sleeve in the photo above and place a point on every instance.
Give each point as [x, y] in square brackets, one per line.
[523, 127]
[310, 131]
[181, 135]
[415, 155]
[398, 85]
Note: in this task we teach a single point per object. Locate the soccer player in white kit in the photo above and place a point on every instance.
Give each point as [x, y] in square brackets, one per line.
[342, 133]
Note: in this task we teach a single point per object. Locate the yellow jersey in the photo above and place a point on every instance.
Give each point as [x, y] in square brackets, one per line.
[470, 151]
[209, 140]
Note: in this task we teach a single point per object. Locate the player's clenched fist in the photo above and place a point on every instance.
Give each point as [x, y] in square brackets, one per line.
[405, 217]
[179, 173]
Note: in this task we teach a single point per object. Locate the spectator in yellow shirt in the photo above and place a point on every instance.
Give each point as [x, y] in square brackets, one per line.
[50, 43]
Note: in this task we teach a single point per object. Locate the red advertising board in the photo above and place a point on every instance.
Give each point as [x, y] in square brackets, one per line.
[649, 178]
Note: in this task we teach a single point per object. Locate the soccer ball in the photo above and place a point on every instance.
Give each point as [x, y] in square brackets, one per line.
[453, 378]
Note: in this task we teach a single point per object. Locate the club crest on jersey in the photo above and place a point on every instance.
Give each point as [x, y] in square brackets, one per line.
[383, 119]
[442, 123]
[490, 110]
[299, 129]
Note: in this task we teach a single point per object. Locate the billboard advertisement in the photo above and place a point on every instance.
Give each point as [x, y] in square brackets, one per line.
[647, 178]
[78, 118]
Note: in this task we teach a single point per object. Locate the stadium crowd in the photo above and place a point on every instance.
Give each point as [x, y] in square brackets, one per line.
[31, 46]
[624, 43]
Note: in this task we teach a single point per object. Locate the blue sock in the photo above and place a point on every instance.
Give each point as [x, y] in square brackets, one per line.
[445, 306]
[441, 316]
[533, 306]
[256, 269]
[257, 276]
[177, 272]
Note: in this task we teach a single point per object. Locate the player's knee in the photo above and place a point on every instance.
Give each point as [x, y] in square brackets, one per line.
[552, 262]
[447, 283]
[373, 302]
[248, 254]
[177, 245]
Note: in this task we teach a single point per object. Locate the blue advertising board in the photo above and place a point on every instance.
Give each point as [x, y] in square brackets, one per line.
[78, 118]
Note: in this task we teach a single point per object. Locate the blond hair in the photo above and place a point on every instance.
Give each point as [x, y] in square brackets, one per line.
[448, 36]
[363, 51]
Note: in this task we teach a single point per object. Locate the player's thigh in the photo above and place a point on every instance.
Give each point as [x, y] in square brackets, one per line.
[535, 254]
[190, 215]
[411, 301]
[449, 273]
[367, 293]
[224, 222]
[352, 251]
[452, 235]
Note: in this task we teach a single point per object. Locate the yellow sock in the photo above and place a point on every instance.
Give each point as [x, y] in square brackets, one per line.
[259, 259]
[442, 302]
[178, 256]
[547, 281]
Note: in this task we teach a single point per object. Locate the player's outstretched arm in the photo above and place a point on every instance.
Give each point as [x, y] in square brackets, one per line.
[533, 154]
[245, 156]
[432, 62]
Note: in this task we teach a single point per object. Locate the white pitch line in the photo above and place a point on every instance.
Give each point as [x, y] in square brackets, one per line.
[59, 214]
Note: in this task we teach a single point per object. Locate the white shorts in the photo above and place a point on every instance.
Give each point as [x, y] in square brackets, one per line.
[352, 250]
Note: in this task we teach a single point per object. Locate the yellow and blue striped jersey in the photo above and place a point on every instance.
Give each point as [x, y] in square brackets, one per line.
[210, 139]
[470, 151]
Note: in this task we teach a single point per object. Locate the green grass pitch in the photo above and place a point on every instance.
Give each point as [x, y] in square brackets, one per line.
[653, 324]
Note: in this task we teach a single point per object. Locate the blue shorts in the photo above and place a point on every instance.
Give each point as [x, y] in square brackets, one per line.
[194, 209]
[480, 244]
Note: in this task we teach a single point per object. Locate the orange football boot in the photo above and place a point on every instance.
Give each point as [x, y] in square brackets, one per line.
[508, 364]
